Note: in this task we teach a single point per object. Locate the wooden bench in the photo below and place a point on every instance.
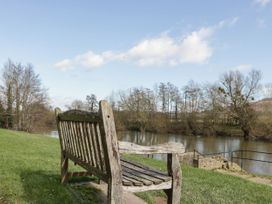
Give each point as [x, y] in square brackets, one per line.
[89, 140]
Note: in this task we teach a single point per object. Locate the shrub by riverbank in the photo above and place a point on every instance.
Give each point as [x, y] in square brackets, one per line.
[29, 166]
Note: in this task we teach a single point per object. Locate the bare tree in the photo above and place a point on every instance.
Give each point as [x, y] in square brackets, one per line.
[140, 103]
[32, 95]
[239, 91]
[76, 105]
[193, 97]
[163, 97]
[22, 90]
[174, 100]
[91, 102]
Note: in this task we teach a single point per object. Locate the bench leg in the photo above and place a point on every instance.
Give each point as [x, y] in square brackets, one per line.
[174, 194]
[115, 192]
[64, 168]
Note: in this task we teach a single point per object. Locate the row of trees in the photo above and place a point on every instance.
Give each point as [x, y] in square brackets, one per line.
[192, 109]
[23, 100]
[225, 107]
[195, 108]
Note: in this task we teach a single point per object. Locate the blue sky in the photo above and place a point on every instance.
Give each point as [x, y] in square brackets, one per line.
[84, 47]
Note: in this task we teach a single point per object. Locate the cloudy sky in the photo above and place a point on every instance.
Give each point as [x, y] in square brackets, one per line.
[83, 47]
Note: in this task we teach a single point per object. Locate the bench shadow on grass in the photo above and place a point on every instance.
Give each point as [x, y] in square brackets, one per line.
[45, 187]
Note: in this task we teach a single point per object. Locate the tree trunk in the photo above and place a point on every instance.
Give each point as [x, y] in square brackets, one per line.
[246, 132]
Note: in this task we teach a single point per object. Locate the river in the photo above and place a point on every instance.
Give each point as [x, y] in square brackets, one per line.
[206, 145]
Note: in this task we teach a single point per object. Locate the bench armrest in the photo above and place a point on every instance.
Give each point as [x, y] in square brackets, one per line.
[167, 148]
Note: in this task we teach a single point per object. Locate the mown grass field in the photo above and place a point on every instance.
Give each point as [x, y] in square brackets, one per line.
[29, 173]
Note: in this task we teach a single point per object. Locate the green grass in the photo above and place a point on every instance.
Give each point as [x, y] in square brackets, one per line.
[204, 186]
[29, 173]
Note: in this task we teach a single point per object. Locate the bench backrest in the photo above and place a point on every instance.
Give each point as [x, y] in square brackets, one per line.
[90, 139]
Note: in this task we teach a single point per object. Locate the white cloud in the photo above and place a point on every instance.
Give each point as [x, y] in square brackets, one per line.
[193, 48]
[64, 64]
[243, 68]
[153, 51]
[262, 3]
[229, 22]
[89, 60]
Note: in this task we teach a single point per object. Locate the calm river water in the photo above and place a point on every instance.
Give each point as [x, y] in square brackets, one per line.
[207, 145]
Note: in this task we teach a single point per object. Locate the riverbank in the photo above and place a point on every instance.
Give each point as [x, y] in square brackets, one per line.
[29, 166]
[218, 132]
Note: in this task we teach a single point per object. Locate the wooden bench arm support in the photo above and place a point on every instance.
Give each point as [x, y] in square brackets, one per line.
[167, 148]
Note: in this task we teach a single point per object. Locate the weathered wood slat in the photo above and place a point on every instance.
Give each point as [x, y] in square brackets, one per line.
[68, 135]
[89, 137]
[134, 163]
[66, 138]
[98, 143]
[112, 157]
[174, 170]
[88, 147]
[126, 182]
[155, 178]
[63, 138]
[97, 162]
[80, 141]
[77, 137]
[83, 143]
[102, 151]
[161, 186]
[145, 170]
[134, 181]
[131, 148]
[130, 174]
[79, 116]
[73, 139]
[150, 179]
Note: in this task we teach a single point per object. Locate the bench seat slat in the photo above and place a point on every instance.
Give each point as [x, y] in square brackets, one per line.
[141, 176]
[138, 178]
[126, 182]
[145, 170]
[134, 181]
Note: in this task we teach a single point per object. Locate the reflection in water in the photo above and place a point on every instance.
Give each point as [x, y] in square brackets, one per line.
[209, 145]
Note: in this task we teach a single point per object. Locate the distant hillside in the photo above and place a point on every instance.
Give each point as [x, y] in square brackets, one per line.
[264, 105]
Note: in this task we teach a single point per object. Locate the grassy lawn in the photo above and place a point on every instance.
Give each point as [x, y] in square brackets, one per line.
[29, 173]
[29, 166]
